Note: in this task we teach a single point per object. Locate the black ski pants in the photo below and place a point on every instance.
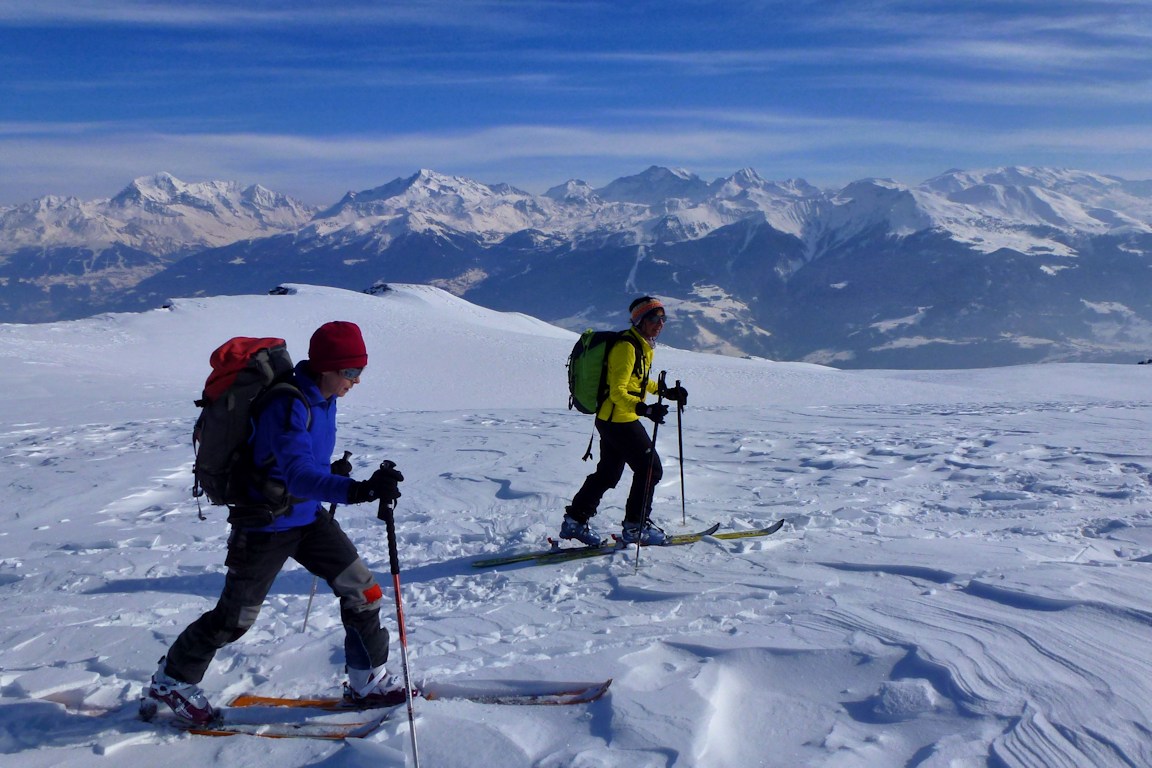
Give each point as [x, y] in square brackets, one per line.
[621, 444]
[254, 560]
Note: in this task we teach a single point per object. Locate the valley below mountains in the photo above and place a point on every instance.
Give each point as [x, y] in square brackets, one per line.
[968, 269]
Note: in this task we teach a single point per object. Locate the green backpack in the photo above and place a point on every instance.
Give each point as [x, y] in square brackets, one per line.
[588, 368]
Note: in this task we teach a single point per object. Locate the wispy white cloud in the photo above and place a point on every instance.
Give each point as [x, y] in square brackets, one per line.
[1001, 35]
[301, 13]
[958, 56]
[1046, 58]
[356, 94]
[53, 13]
[1085, 95]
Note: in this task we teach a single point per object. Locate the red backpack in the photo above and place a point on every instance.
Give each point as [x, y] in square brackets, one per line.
[246, 374]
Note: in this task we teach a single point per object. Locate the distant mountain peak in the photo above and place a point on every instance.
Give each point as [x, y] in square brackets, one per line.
[158, 214]
[573, 190]
[422, 185]
[1021, 197]
[655, 186]
[160, 187]
[747, 176]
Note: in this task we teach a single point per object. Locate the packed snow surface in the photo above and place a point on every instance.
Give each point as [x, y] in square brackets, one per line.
[963, 578]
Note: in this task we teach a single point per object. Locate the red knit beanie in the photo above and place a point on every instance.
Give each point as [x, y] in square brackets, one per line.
[335, 345]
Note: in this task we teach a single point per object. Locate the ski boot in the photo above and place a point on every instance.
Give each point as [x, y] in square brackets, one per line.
[371, 688]
[186, 700]
[583, 532]
[647, 534]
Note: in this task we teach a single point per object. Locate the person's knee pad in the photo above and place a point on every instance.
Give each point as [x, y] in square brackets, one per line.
[357, 588]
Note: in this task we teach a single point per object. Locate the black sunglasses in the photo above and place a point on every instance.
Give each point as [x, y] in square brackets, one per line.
[351, 373]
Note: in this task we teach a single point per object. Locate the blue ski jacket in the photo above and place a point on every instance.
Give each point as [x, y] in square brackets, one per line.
[302, 453]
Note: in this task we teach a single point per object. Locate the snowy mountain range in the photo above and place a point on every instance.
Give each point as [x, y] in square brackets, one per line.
[63, 257]
[971, 268]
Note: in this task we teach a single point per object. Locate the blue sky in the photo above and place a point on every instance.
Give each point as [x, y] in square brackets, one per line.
[314, 100]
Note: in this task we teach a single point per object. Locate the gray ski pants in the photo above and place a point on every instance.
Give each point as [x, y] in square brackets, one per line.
[254, 560]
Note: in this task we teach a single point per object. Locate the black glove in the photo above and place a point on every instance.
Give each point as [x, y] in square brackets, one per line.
[342, 466]
[675, 394]
[382, 485]
[655, 411]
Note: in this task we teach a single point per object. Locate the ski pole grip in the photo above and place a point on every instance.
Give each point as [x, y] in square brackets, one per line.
[343, 468]
[386, 506]
[385, 513]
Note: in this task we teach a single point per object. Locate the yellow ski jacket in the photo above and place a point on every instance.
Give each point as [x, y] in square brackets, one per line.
[625, 378]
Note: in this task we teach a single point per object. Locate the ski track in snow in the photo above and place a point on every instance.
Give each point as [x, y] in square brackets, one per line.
[958, 584]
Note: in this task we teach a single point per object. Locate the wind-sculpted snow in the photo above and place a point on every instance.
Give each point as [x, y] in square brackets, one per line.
[963, 578]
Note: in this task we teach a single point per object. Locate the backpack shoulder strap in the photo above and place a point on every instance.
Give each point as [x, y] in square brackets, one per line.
[262, 471]
[637, 366]
[627, 335]
[278, 390]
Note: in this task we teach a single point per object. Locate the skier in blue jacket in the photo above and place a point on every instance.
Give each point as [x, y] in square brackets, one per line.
[299, 441]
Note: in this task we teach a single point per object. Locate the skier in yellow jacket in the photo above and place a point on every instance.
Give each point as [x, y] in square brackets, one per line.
[623, 439]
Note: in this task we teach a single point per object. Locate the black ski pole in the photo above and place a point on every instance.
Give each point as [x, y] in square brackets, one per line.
[648, 489]
[680, 440]
[386, 513]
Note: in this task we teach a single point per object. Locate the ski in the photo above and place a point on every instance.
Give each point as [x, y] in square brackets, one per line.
[517, 692]
[326, 703]
[689, 538]
[554, 555]
[483, 692]
[308, 730]
[269, 723]
[685, 538]
[767, 531]
[563, 555]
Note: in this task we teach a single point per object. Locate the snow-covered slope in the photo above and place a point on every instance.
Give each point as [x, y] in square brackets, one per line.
[962, 579]
[421, 341]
